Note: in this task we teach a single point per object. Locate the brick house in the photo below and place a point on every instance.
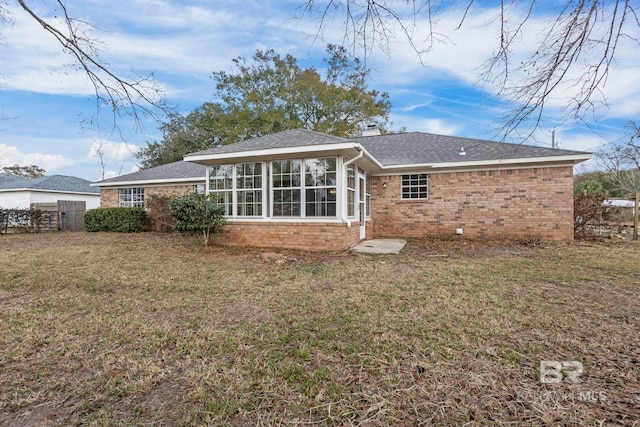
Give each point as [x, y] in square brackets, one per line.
[307, 190]
[173, 179]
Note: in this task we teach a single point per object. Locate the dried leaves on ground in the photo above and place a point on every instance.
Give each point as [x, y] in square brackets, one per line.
[114, 329]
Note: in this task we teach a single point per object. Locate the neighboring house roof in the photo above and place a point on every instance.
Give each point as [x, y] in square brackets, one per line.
[53, 183]
[7, 179]
[412, 148]
[180, 171]
[392, 151]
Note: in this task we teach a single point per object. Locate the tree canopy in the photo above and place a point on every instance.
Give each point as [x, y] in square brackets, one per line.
[31, 171]
[272, 93]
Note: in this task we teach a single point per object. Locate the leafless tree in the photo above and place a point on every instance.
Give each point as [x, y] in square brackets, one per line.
[577, 46]
[622, 161]
[138, 97]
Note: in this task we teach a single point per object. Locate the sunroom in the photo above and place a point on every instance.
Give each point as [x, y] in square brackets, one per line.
[285, 188]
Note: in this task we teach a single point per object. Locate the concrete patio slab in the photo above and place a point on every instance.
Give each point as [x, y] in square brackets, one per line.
[380, 246]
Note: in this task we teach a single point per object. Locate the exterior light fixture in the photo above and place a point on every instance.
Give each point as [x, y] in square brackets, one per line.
[384, 185]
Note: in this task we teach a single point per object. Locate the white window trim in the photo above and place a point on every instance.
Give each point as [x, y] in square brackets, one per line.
[268, 193]
[402, 186]
[131, 203]
[303, 187]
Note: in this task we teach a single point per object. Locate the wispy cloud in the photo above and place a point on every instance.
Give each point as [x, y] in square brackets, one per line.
[10, 156]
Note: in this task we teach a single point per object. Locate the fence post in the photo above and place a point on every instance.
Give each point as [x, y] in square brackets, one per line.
[635, 216]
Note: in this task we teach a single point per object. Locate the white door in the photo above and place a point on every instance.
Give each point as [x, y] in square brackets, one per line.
[362, 207]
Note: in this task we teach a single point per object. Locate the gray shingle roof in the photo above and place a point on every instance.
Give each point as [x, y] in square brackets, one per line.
[288, 138]
[424, 148]
[67, 184]
[7, 180]
[175, 170]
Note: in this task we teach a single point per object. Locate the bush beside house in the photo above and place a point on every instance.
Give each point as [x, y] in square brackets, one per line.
[123, 220]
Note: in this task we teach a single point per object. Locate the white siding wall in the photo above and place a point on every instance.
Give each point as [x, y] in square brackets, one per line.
[14, 200]
[23, 199]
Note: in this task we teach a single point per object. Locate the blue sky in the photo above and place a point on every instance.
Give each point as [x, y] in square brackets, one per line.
[43, 104]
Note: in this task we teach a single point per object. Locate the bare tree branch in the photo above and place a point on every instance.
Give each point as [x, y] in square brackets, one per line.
[137, 98]
[576, 50]
[622, 161]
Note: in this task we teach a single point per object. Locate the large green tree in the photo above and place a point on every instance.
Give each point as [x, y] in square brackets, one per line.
[271, 93]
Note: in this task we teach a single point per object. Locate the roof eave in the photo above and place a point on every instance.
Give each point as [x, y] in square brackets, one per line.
[565, 159]
[211, 159]
[40, 190]
[148, 181]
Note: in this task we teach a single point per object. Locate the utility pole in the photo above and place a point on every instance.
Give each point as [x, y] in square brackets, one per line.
[553, 139]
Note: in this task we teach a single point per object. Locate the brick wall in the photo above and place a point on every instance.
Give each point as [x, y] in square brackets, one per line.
[310, 236]
[510, 204]
[109, 197]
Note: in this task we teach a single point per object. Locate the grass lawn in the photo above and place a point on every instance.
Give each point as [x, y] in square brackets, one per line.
[144, 329]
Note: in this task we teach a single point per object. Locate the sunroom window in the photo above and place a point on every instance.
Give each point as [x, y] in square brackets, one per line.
[351, 191]
[299, 188]
[249, 189]
[320, 187]
[221, 186]
[287, 187]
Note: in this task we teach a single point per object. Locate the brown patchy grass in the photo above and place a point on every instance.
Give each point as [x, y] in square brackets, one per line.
[144, 329]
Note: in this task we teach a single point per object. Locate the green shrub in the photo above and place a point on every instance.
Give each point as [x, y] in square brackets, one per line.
[197, 214]
[122, 220]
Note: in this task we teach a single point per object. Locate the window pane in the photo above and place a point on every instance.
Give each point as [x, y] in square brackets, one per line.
[131, 197]
[415, 186]
[320, 202]
[286, 202]
[351, 203]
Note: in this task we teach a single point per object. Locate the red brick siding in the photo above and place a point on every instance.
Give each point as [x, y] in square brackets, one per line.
[510, 203]
[311, 236]
[109, 197]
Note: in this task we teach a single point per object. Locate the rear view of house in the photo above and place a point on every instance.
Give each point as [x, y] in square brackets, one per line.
[308, 190]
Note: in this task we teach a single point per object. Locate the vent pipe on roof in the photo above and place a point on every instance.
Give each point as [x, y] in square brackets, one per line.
[371, 130]
[462, 152]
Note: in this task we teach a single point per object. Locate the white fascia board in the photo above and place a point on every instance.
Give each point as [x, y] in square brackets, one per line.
[271, 152]
[572, 158]
[158, 181]
[40, 190]
[370, 157]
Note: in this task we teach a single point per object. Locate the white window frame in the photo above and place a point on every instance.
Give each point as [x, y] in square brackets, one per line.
[268, 190]
[414, 186]
[327, 187]
[273, 188]
[237, 190]
[224, 189]
[136, 197]
[351, 191]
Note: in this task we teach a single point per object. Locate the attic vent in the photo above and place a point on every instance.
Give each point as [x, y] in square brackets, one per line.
[462, 152]
[371, 130]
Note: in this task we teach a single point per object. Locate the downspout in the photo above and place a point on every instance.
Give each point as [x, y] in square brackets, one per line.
[344, 182]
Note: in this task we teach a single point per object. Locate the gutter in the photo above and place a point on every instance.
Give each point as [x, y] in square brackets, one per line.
[344, 181]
